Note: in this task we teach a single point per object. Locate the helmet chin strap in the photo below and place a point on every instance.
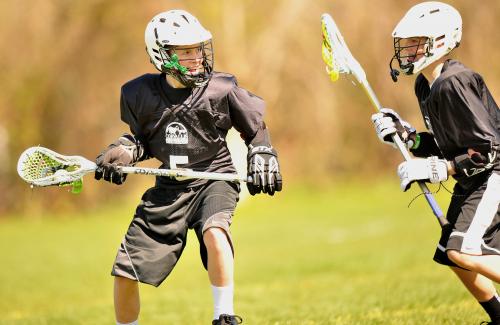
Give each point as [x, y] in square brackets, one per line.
[394, 72]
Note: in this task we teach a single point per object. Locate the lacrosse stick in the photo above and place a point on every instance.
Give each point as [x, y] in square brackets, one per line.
[339, 60]
[40, 166]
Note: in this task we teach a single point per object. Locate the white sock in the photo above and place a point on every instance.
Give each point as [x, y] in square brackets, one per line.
[133, 323]
[223, 300]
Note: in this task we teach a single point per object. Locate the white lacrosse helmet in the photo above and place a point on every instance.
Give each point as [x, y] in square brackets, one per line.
[439, 22]
[178, 28]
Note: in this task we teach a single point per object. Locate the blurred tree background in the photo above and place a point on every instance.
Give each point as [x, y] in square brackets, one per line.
[63, 63]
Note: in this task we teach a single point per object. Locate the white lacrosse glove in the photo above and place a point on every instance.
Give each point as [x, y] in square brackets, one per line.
[387, 122]
[430, 169]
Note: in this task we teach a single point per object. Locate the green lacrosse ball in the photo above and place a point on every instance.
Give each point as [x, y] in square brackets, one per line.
[77, 186]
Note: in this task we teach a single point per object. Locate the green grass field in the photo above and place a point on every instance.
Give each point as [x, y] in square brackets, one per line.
[341, 255]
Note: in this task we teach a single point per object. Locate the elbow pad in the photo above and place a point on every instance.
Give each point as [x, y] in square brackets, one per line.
[474, 164]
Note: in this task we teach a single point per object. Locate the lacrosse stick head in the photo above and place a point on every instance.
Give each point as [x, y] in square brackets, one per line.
[336, 54]
[40, 166]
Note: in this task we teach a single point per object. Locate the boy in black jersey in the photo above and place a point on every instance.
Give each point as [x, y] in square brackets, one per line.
[463, 121]
[181, 117]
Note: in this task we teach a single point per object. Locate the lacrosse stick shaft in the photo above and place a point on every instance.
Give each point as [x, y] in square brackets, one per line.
[183, 174]
[179, 173]
[40, 166]
[406, 155]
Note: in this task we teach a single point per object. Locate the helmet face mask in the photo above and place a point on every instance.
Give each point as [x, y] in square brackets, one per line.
[181, 47]
[411, 52]
[190, 65]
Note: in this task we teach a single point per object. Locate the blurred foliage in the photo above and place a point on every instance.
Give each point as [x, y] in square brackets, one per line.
[63, 63]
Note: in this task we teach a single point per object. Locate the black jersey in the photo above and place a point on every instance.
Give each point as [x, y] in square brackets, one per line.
[460, 112]
[187, 127]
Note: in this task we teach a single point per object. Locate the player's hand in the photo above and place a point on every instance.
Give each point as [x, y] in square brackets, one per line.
[263, 170]
[430, 169]
[110, 160]
[387, 122]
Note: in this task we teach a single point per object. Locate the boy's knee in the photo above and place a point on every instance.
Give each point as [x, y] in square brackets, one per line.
[460, 259]
[215, 238]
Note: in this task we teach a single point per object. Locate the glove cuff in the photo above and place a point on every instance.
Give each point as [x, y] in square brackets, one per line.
[438, 169]
[132, 145]
[261, 148]
[414, 143]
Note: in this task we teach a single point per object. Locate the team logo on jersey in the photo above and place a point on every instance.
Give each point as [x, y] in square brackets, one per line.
[176, 133]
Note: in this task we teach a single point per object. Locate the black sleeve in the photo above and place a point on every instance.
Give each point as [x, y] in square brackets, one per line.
[247, 115]
[422, 88]
[129, 116]
[468, 122]
[427, 147]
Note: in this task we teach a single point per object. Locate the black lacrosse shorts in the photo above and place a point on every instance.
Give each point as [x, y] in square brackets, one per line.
[475, 221]
[157, 234]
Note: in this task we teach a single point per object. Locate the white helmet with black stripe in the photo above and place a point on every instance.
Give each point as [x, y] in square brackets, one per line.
[439, 23]
[174, 28]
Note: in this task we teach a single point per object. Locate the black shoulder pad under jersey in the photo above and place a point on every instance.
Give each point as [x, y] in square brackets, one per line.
[246, 109]
[136, 90]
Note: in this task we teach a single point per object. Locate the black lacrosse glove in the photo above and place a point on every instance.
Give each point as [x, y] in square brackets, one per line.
[263, 170]
[122, 152]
